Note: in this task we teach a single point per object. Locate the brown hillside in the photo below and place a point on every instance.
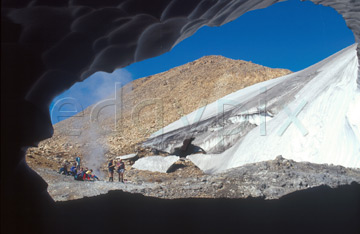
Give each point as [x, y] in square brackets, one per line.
[149, 104]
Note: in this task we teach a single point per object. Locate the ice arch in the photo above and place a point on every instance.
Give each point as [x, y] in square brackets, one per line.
[77, 38]
[48, 45]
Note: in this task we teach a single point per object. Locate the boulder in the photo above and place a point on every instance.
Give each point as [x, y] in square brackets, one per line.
[126, 157]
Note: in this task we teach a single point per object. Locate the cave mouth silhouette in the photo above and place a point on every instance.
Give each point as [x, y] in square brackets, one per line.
[262, 12]
[181, 153]
[26, 207]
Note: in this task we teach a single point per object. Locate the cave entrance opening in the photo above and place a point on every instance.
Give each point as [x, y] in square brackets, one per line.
[289, 35]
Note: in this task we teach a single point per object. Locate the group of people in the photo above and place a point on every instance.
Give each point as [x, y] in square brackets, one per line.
[87, 174]
[77, 172]
[120, 169]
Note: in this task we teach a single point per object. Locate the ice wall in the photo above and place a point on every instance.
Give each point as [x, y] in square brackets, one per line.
[315, 117]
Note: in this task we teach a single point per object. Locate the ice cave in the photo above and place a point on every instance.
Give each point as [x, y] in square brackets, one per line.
[47, 46]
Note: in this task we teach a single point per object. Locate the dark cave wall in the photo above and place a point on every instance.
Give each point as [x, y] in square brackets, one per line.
[47, 46]
[315, 210]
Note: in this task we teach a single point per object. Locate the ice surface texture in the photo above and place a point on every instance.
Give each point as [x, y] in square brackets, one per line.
[48, 45]
[76, 38]
[323, 100]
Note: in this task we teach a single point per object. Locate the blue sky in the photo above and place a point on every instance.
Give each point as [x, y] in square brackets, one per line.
[292, 35]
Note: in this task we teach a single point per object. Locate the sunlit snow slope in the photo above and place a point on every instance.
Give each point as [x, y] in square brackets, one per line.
[312, 115]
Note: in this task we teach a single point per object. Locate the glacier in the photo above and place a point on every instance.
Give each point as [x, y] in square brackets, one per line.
[312, 115]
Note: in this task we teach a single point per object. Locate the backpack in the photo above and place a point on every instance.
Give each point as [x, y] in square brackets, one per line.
[77, 177]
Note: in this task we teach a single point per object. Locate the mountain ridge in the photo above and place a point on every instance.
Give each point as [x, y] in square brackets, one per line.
[170, 95]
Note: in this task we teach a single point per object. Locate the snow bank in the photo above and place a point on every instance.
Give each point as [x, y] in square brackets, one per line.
[155, 163]
[328, 136]
[315, 117]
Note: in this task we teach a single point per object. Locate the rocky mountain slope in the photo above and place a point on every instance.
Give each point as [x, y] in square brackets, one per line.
[147, 105]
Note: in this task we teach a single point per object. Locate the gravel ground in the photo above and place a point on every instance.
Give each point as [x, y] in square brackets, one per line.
[63, 188]
[270, 180]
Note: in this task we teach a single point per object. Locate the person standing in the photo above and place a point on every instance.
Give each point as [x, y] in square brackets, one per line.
[121, 170]
[77, 159]
[111, 168]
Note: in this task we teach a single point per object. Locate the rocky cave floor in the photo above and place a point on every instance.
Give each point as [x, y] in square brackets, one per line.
[269, 180]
